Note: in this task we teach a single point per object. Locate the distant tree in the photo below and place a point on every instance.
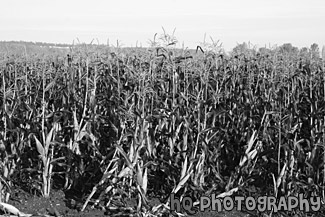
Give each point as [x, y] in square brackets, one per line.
[287, 48]
[240, 48]
[323, 53]
[243, 49]
[304, 52]
[314, 49]
[264, 51]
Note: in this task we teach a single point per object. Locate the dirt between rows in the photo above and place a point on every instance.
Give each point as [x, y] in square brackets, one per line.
[59, 204]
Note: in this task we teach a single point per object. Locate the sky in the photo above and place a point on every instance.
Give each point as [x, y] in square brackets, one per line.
[135, 22]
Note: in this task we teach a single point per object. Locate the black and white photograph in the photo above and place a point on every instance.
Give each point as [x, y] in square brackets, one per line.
[162, 108]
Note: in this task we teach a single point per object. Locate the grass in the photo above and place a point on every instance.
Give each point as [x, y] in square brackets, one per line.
[145, 123]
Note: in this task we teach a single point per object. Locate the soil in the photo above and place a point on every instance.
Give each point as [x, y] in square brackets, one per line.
[66, 204]
[63, 205]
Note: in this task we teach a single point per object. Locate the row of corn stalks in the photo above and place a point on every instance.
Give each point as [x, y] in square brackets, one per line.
[117, 123]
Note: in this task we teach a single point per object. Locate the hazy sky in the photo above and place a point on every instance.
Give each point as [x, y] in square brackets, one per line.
[262, 22]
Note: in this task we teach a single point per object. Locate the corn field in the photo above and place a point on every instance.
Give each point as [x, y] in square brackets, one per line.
[112, 123]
